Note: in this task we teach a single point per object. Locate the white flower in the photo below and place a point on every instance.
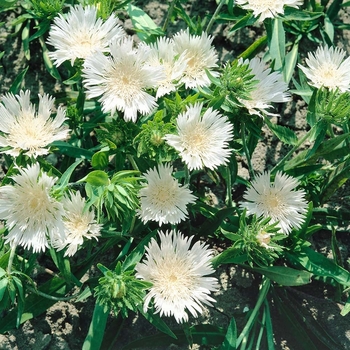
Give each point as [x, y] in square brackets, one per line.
[26, 130]
[79, 223]
[199, 54]
[267, 8]
[278, 200]
[178, 274]
[202, 140]
[33, 217]
[122, 79]
[264, 238]
[164, 200]
[327, 67]
[163, 54]
[81, 34]
[270, 87]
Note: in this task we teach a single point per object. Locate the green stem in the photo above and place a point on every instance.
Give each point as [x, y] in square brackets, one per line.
[346, 130]
[295, 147]
[261, 331]
[228, 187]
[10, 262]
[47, 296]
[213, 19]
[132, 161]
[330, 130]
[246, 151]
[187, 175]
[254, 48]
[253, 316]
[170, 12]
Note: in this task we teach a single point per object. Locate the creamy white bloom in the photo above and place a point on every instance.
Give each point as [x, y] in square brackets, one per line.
[270, 87]
[163, 54]
[267, 8]
[202, 140]
[327, 68]
[122, 78]
[264, 238]
[178, 274]
[278, 200]
[164, 199]
[199, 54]
[79, 223]
[24, 129]
[81, 34]
[32, 216]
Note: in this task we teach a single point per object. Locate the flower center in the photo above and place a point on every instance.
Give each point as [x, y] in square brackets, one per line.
[196, 139]
[85, 44]
[163, 194]
[29, 132]
[272, 201]
[174, 280]
[328, 75]
[121, 82]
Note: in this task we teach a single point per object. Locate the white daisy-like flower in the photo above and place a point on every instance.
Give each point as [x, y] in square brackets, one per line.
[122, 78]
[278, 200]
[164, 199]
[79, 223]
[81, 34]
[32, 216]
[163, 54]
[327, 68]
[24, 129]
[202, 140]
[267, 8]
[269, 87]
[179, 276]
[199, 54]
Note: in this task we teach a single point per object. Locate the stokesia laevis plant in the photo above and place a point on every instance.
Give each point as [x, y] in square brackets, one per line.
[115, 126]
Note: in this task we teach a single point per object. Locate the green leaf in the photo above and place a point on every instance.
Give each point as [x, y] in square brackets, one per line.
[346, 308]
[336, 179]
[334, 8]
[283, 133]
[329, 28]
[143, 23]
[230, 337]
[43, 27]
[214, 221]
[97, 327]
[320, 130]
[72, 151]
[100, 160]
[293, 324]
[16, 85]
[96, 178]
[319, 265]
[3, 287]
[157, 322]
[25, 40]
[2, 272]
[203, 334]
[277, 42]
[48, 63]
[229, 256]
[285, 276]
[247, 20]
[64, 179]
[290, 63]
[293, 14]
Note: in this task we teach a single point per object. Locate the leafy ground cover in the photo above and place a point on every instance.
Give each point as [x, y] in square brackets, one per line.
[219, 132]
